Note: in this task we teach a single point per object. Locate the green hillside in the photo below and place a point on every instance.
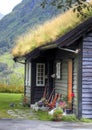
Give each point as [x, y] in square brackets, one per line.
[10, 73]
[25, 15]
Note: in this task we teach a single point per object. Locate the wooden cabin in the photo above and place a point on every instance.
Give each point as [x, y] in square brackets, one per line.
[66, 66]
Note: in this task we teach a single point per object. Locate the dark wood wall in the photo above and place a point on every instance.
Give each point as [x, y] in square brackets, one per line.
[37, 91]
[87, 77]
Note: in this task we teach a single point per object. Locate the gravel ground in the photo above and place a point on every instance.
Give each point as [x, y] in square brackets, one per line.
[15, 124]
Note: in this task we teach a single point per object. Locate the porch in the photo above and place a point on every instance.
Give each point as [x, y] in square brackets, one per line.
[54, 69]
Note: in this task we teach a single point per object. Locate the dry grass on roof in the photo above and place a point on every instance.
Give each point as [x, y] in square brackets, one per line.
[48, 32]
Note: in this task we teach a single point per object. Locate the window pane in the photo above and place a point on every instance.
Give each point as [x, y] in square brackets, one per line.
[40, 74]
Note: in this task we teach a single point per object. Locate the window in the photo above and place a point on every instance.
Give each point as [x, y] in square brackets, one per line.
[58, 70]
[40, 74]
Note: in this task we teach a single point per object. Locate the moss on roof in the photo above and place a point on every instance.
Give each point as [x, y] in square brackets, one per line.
[48, 32]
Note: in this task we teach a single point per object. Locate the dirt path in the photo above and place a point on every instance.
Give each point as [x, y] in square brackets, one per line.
[22, 114]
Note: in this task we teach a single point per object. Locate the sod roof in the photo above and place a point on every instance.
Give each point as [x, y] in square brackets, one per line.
[49, 32]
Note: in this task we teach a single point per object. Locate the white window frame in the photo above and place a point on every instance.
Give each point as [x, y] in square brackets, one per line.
[40, 76]
[58, 70]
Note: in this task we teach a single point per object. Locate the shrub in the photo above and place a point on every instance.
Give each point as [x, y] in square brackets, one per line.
[57, 114]
[11, 88]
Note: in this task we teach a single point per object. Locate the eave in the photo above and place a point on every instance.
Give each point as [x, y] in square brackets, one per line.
[73, 35]
[64, 41]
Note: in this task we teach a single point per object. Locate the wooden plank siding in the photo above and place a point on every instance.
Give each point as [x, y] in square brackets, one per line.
[38, 93]
[61, 85]
[87, 77]
[28, 81]
[33, 82]
[28, 95]
[75, 85]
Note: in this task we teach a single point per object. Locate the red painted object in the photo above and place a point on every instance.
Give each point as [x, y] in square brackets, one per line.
[72, 95]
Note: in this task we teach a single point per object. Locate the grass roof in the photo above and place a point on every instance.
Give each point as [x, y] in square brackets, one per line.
[48, 32]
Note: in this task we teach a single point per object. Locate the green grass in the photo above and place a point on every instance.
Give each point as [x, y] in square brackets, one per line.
[86, 120]
[5, 101]
[43, 115]
[17, 99]
[73, 118]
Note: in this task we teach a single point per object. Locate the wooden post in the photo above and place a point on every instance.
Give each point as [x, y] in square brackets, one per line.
[70, 83]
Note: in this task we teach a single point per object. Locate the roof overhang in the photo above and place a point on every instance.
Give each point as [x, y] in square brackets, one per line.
[49, 46]
[19, 60]
[64, 41]
[35, 53]
[73, 35]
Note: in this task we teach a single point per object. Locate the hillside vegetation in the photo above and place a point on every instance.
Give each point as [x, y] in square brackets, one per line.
[25, 15]
[50, 31]
[10, 73]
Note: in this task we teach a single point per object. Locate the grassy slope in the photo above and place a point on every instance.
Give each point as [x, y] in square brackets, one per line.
[28, 13]
[25, 15]
[16, 77]
[7, 58]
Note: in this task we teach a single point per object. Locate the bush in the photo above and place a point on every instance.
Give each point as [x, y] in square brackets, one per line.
[57, 114]
[11, 88]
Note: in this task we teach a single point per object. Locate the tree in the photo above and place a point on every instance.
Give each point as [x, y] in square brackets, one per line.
[78, 5]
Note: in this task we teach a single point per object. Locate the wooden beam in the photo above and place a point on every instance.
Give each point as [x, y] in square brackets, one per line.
[80, 80]
[70, 83]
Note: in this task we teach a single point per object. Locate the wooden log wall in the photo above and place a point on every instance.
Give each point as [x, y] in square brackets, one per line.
[61, 84]
[75, 85]
[28, 81]
[87, 77]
